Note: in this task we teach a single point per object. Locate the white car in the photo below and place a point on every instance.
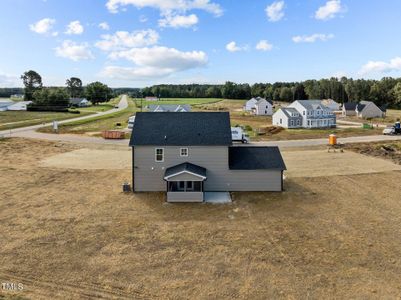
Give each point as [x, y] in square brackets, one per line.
[389, 131]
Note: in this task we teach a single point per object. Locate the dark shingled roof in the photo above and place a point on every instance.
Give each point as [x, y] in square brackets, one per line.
[360, 107]
[255, 158]
[185, 167]
[350, 105]
[181, 129]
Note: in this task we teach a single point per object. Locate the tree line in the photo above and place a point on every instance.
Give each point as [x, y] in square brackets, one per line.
[386, 91]
[57, 98]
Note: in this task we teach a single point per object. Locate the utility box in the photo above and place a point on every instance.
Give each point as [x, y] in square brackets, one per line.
[126, 187]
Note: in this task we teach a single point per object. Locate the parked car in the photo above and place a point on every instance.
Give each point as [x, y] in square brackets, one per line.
[390, 130]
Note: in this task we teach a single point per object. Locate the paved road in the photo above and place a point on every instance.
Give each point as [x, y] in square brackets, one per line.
[123, 104]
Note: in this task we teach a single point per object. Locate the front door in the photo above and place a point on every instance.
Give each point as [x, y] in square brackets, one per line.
[190, 186]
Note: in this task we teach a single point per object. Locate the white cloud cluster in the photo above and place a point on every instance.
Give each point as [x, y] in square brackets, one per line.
[275, 11]
[168, 5]
[177, 21]
[264, 45]
[7, 80]
[381, 66]
[154, 62]
[329, 10]
[312, 38]
[104, 26]
[75, 27]
[233, 47]
[123, 39]
[74, 51]
[43, 26]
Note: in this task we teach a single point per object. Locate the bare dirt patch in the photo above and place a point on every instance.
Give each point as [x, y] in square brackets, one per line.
[90, 159]
[72, 234]
[388, 151]
[317, 163]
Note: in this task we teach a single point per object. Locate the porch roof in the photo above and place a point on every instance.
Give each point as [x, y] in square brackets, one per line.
[185, 168]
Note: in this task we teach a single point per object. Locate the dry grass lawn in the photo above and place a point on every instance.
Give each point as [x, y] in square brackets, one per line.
[72, 234]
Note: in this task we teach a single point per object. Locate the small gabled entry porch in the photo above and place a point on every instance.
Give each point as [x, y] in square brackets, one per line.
[185, 183]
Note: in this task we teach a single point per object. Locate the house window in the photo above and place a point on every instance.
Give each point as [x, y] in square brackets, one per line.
[292, 122]
[159, 155]
[281, 121]
[298, 122]
[184, 152]
[304, 113]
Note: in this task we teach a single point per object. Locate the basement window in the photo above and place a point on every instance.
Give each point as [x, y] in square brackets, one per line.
[159, 154]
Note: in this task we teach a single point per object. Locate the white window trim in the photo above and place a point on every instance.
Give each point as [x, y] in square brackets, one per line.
[181, 152]
[156, 155]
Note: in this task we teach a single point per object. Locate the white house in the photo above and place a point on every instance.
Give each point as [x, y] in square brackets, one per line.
[349, 108]
[312, 113]
[368, 110]
[251, 104]
[287, 117]
[330, 103]
[79, 102]
[21, 105]
[263, 108]
[169, 108]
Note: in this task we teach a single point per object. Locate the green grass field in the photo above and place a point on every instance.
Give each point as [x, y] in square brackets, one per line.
[16, 119]
[105, 122]
[191, 101]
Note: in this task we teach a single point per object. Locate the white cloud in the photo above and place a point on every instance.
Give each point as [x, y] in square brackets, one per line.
[43, 26]
[329, 10]
[7, 80]
[104, 26]
[74, 51]
[312, 38]
[233, 47]
[168, 5]
[143, 19]
[381, 66]
[123, 39]
[275, 11]
[264, 45]
[177, 21]
[154, 62]
[74, 27]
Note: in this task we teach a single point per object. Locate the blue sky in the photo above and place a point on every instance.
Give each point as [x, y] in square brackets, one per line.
[136, 43]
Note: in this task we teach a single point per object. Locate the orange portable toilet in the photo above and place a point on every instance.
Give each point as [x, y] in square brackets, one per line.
[332, 139]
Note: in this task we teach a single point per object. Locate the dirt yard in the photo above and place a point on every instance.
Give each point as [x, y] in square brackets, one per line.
[70, 233]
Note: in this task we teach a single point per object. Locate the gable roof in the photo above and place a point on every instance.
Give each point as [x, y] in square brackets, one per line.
[289, 110]
[185, 168]
[169, 107]
[360, 107]
[181, 129]
[350, 105]
[255, 158]
[312, 104]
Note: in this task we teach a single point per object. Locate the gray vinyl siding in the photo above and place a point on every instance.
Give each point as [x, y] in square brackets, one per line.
[149, 174]
[185, 197]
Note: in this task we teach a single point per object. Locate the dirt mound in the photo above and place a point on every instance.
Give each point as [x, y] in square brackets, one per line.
[387, 151]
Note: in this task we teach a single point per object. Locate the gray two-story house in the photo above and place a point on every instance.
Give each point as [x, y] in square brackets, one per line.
[188, 154]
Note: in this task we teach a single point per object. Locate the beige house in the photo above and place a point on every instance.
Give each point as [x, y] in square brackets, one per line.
[369, 110]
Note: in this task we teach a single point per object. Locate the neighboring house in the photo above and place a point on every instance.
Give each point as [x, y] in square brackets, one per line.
[369, 110]
[188, 154]
[250, 104]
[5, 104]
[330, 103]
[21, 105]
[17, 96]
[312, 112]
[259, 106]
[287, 117]
[263, 108]
[349, 109]
[79, 102]
[169, 108]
